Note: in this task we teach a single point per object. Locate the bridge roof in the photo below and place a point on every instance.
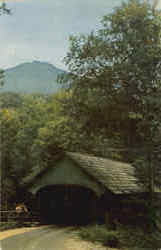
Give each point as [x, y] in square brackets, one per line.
[116, 176]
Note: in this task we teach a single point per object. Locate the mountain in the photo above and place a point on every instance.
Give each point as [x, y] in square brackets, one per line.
[34, 77]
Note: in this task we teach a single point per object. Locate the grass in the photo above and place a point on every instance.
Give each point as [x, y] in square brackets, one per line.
[9, 225]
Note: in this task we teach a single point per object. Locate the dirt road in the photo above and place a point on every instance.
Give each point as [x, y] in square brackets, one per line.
[48, 238]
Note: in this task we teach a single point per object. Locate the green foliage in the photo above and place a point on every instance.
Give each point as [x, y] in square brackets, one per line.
[99, 233]
[10, 100]
[137, 238]
[19, 121]
[1, 77]
[124, 237]
[115, 80]
[9, 225]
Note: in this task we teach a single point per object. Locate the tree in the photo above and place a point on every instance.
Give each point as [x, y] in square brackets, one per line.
[114, 75]
[4, 9]
[11, 100]
[1, 77]
[20, 118]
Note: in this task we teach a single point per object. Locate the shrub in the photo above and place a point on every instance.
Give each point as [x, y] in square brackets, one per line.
[99, 233]
[9, 225]
[125, 237]
[137, 238]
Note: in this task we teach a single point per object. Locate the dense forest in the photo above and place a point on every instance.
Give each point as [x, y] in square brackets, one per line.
[108, 104]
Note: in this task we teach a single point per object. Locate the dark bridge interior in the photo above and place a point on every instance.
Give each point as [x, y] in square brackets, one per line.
[66, 204]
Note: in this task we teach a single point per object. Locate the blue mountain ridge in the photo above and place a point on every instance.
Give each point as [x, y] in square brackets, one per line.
[32, 77]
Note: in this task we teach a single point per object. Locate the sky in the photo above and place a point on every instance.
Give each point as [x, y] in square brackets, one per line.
[40, 29]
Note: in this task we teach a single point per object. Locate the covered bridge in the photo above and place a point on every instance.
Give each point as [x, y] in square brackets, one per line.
[75, 188]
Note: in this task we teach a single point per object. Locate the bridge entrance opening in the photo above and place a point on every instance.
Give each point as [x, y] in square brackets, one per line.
[66, 204]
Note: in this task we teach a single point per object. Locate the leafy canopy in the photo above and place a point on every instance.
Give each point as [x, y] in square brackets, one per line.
[114, 76]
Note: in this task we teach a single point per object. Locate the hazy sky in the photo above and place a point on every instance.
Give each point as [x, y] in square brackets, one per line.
[39, 29]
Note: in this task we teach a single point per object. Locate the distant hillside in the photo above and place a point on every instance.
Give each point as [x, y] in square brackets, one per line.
[34, 77]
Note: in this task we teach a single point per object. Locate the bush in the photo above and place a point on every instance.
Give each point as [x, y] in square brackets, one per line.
[125, 237]
[9, 225]
[137, 238]
[99, 233]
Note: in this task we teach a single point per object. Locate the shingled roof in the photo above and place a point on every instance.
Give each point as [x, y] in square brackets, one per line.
[117, 176]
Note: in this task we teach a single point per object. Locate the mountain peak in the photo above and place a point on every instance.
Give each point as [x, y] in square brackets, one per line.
[32, 77]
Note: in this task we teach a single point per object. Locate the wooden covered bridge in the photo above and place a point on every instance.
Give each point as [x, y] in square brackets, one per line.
[79, 188]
